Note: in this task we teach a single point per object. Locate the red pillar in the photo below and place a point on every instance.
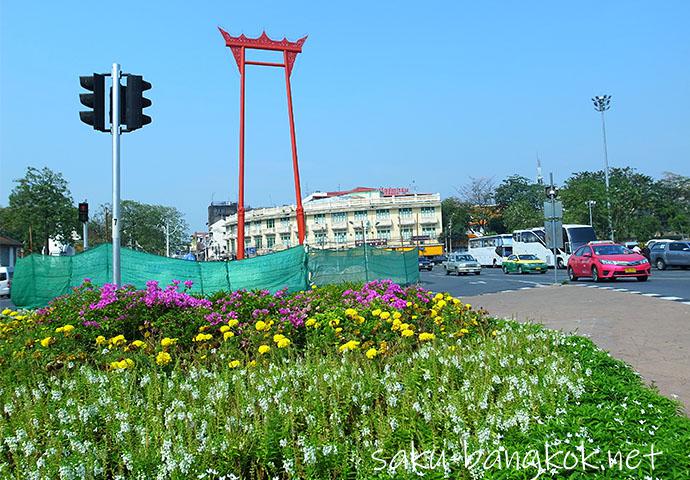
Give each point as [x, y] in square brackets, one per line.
[295, 167]
[240, 199]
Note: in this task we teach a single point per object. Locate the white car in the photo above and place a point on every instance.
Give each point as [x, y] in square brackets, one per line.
[5, 280]
[462, 264]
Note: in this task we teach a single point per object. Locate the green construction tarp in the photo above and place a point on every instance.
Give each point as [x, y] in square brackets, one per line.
[39, 278]
[360, 265]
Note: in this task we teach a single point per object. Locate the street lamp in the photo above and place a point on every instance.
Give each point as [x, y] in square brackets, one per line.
[590, 204]
[601, 104]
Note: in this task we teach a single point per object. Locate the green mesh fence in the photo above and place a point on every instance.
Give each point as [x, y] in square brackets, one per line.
[358, 265]
[38, 278]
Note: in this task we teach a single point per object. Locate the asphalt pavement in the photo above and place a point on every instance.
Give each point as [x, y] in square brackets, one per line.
[667, 284]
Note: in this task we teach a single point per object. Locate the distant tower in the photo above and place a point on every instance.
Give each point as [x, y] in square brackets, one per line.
[540, 179]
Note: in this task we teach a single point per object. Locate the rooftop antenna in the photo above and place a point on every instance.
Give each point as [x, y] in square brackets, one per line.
[540, 178]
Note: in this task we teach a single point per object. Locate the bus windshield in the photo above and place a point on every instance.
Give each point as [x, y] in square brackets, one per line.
[579, 236]
[527, 257]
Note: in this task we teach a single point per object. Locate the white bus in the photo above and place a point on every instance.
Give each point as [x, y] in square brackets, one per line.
[490, 250]
[533, 240]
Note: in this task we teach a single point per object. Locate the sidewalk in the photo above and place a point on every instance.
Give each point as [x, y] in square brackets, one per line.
[651, 335]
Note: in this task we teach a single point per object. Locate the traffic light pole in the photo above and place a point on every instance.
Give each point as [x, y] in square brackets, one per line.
[86, 235]
[115, 132]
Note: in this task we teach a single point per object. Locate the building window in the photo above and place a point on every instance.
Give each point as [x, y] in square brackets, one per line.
[360, 215]
[430, 231]
[320, 238]
[320, 218]
[405, 212]
[359, 234]
[384, 214]
[406, 233]
[258, 242]
[285, 222]
[341, 236]
[270, 241]
[270, 223]
[285, 239]
[339, 217]
[428, 211]
[384, 233]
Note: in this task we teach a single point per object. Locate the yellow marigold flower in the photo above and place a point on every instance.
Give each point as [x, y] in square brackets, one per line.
[438, 296]
[376, 312]
[334, 322]
[414, 317]
[277, 337]
[227, 335]
[409, 304]
[350, 312]
[47, 341]
[264, 349]
[224, 329]
[20, 317]
[66, 329]
[6, 311]
[441, 303]
[463, 331]
[163, 358]
[451, 348]
[351, 345]
[234, 364]
[137, 344]
[433, 313]
[100, 340]
[114, 365]
[261, 326]
[385, 315]
[405, 326]
[371, 353]
[338, 330]
[168, 342]
[407, 333]
[474, 322]
[118, 340]
[494, 333]
[252, 363]
[13, 314]
[397, 315]
[202, 337]
[203, 328]
[122, 364]
[233, 323]
[426, 336]
[310, 322]
[456, 301]
[468, 306]
[283, 342]
[360, 319]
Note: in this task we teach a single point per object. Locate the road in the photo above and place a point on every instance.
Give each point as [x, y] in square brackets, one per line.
[667, 284]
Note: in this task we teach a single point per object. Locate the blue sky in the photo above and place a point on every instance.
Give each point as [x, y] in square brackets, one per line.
[385, 94]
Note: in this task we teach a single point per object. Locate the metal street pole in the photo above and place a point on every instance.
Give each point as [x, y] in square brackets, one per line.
[590, 204]
[167, 238]
[85, 235]
[552, 195]
[115, 133]
[366, 260]
[601, 104]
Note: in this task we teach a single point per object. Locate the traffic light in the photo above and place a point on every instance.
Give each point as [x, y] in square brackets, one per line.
[96, 101]
[136, 102]
[83, 212]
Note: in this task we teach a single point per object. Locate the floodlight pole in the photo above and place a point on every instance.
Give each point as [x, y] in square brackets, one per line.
[115, 133]
[601, 104]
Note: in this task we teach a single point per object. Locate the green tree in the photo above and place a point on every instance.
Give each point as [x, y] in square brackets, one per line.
[142, 227]
[632, 198]
[673, 204]
[456, 213]
[40, 208]
[521, 203]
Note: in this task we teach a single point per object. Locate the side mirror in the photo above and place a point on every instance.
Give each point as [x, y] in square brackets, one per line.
[587, 254]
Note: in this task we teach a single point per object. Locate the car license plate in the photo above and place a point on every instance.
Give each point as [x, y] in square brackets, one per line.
[630, 270]
[537, 268]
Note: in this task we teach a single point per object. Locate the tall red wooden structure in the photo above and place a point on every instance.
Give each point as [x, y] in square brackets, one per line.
[239, 46]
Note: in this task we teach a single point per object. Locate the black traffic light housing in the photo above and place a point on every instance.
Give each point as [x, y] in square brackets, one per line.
[96, 101]
[83, 212]
[135, 102]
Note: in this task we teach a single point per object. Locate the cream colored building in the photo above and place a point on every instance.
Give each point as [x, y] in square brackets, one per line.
[388, 217]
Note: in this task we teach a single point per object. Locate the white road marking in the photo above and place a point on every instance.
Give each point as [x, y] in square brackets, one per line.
[526, 288]
[651, 295]
[685, 303]
[606, 288]
[620, 289]
[634, 291]
[479, 282]
[670, 298]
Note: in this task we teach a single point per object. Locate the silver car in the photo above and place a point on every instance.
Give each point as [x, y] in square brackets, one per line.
[670, 254]
[462, 264]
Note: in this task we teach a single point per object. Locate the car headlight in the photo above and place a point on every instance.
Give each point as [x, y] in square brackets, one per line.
[608, 262]
[643, 261]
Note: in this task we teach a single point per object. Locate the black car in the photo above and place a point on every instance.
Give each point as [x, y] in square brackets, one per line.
[439, 259]
[425, 264]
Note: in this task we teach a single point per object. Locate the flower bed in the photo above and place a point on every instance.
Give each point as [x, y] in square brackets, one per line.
[345, 381]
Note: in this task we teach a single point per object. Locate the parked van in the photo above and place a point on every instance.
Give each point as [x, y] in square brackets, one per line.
[5, 280]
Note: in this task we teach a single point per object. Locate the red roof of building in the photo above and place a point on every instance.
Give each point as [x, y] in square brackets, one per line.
[348, 192]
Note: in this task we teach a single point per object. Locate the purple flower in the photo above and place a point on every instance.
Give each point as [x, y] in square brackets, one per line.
[188, 283]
